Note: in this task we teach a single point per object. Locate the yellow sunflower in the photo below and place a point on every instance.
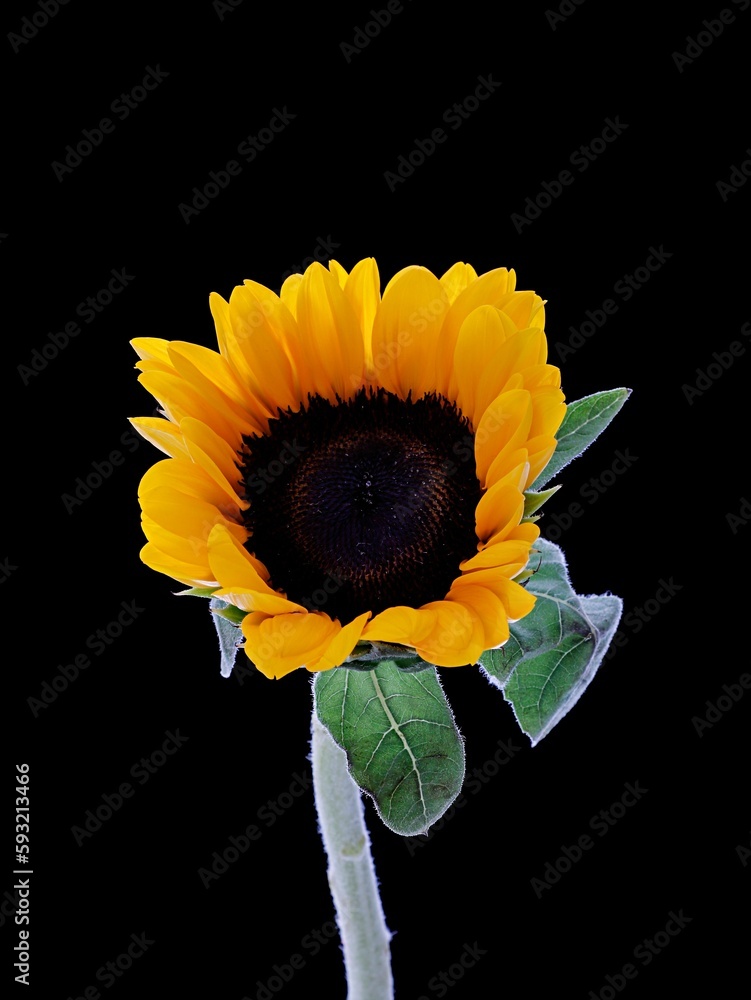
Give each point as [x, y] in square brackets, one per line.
[350, 466]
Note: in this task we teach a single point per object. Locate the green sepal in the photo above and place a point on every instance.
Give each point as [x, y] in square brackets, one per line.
[368, 655]
[377, 652]
[196, 592]
[533, 501]
[583, 423]
[228, 611]
[553, 652]
[397, 729]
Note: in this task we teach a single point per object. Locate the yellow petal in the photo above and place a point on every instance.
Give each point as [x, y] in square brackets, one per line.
[189, 551]
[289, 290]
[457, 638]
[342, 644]
[258, 351]
[401, 625]
[477, 350]
[517, 599]
[363, 289]
[498, 512]
[191, 521]
[330, 336]
[509, 553]
[162, 433]
[406, 329]
[220, 314]
[540, 453]
[190, 358]
[336, 269]
[518, 353]
[210, 374]
[458, 277]
[151, 348]
[488, 290]
[180, 399]
[192, 575]
[190, 480]
[502, 430]
[488, 607]
[548, 411]
[242, 578]
[284, 643]
[283, 322]
[539, 376]
[215, 457]
[525, 309]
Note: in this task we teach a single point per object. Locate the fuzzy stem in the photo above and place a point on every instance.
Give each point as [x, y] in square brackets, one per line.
[352, 878]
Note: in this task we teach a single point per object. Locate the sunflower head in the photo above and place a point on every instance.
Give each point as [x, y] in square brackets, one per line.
[348, 470]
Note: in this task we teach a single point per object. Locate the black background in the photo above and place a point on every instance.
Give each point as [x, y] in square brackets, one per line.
[69, 568]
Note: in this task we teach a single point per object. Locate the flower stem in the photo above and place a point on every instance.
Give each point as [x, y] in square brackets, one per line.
[352, 878]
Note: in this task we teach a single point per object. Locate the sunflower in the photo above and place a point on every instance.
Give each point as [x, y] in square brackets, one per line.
[350, 467]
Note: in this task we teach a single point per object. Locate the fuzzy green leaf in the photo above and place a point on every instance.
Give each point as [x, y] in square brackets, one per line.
[402, 745]
[554, 651]
[585, 420]
[228, 633]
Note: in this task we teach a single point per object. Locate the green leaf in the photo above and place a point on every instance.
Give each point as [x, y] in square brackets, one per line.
[402, 745]
[230, 636]
[554, 651]
[585, 420]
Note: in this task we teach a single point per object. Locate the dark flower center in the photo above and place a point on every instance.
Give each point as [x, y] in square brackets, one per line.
[363, 505]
